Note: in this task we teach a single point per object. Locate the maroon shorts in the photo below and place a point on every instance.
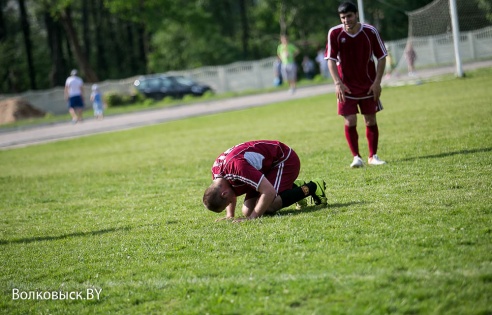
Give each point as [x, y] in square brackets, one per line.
[367, 105]
[282, 176]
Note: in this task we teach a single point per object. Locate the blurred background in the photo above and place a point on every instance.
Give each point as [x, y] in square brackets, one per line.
[213, 41]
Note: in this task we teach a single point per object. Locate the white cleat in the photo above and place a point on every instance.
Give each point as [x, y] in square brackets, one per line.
[374, 160]
[357, 162]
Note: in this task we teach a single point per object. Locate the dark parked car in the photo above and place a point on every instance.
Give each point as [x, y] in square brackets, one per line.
[160, 86]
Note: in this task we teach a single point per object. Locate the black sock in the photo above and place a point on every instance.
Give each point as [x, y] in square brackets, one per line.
[312, 188]
[293, 195]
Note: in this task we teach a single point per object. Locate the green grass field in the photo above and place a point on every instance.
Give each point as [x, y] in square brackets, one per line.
[121, 213]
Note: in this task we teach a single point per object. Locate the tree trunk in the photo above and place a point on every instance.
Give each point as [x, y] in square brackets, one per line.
[85, 29]
[85, 67]
[282, 19]
[115, 38]
[143, 41]
[98, 14]
[55, 43]
[131, 44]
[27, 43]
[3, 31]
[142, 47]
[244, 28]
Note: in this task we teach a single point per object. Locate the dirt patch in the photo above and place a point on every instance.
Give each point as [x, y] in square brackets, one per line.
[14, 109]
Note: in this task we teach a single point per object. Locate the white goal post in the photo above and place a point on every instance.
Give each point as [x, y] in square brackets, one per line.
[456, 37]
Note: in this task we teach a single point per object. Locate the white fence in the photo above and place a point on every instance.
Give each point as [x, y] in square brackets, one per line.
[438, 50]
[241, 76]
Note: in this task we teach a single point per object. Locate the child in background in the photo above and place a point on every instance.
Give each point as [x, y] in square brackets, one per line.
[277, 71]
[97, 102]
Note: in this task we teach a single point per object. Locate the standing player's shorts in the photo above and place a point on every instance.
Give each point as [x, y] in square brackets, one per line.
[367, 105]
[282, 176]
[75, 102]
[289, 71]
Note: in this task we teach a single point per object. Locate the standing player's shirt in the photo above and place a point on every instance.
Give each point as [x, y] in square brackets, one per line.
[245, 164]
[354, 57]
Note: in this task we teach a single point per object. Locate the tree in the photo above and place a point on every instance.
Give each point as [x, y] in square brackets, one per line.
[55, 43]
[244, 28]
[486, 6]
[61, 10]
[3, 31]
[122, 38]
[12, 63]
[27, 43]
[390, 16]
[73, 38]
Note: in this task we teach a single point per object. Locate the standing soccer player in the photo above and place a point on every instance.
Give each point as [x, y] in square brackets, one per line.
[350, 52]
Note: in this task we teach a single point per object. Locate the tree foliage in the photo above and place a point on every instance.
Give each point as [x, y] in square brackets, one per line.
[112, 39]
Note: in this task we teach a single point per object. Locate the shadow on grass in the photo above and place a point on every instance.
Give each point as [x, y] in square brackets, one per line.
[316, 208]
[446, 154]
[60, 237]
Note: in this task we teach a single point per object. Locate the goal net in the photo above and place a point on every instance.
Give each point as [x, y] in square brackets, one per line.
[430, 40]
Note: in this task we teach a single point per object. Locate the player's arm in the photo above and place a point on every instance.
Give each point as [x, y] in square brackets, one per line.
[267, 195]
[376, 86]
[340, 88]
[230, 210]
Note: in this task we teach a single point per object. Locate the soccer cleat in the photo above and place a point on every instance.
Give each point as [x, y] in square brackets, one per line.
[319, 196]
[374, 160]
[357, 162]
[301, 203]
[299, 182]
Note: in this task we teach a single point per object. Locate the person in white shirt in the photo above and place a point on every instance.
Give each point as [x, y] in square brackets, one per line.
[323, 64]
[74, 94]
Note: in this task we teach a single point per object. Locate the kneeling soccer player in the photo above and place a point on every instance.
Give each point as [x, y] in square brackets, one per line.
[264, 170]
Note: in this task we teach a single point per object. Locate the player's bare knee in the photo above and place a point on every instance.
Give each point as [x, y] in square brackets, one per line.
[350, 120]
[370, 120]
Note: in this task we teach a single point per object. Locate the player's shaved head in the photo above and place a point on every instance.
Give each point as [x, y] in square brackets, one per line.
[213, 199]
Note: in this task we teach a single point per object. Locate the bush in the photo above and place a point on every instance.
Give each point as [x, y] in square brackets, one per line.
[148, 102]
[168, 100]
[138, 98]
[208, 94]
[188, 98]
[113, 99]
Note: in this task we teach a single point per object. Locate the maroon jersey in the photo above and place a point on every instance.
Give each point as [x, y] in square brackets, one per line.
[245, 164]
[354, 57]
